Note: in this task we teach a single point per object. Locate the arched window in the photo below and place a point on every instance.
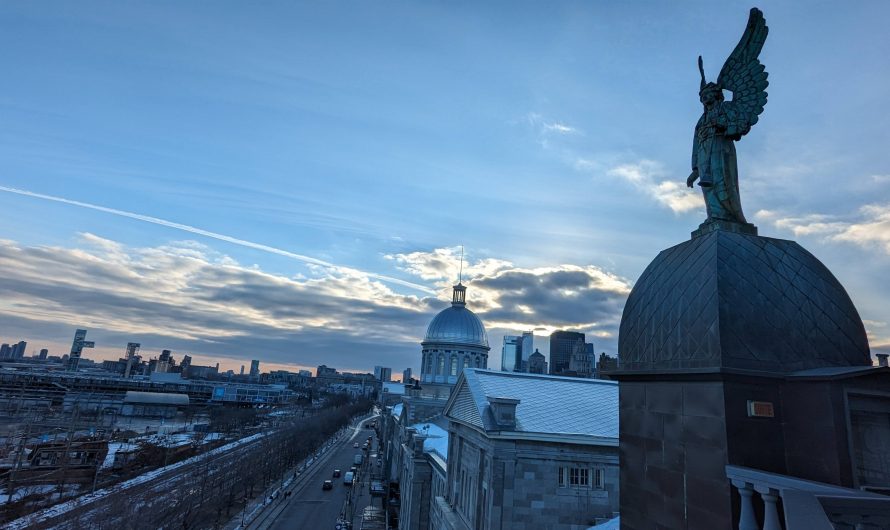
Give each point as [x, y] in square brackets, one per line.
[441, 370]
[478, 362]
[453, 365]
[429, 363]
[466, 362]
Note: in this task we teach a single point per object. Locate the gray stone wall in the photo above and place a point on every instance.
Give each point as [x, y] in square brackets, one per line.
[517, 482]
[673, 450]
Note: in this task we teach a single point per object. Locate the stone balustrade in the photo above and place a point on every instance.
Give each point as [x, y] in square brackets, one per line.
[806, 505]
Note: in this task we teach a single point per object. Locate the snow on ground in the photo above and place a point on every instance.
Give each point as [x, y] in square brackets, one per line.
[54, 511]
[613, 524]
[113, 448]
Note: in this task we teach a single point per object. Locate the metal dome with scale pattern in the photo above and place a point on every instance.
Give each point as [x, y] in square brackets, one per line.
[457, 324]
[455, 339]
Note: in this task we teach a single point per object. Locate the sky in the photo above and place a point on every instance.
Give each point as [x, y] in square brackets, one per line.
[293, 182]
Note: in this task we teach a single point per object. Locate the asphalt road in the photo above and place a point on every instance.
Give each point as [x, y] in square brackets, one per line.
[312, 508]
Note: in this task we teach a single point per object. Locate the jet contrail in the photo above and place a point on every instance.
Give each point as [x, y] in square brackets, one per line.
[214, 235]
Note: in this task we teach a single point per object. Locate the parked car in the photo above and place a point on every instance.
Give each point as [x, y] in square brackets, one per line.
[336, 473]
[347, 478]
[357, 459]
[354, 470]
[355, 445]
[327, 485]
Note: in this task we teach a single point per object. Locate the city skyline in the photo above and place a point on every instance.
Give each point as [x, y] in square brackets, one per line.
[294, 185]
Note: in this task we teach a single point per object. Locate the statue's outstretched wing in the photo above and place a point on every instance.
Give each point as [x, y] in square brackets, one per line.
[745, 77]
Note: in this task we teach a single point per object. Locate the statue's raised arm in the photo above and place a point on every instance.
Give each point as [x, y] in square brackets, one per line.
[724, 122]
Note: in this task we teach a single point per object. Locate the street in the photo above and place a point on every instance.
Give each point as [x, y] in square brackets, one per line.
[312, 508]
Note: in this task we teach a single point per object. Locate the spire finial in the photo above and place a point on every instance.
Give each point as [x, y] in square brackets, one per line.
[460, 275]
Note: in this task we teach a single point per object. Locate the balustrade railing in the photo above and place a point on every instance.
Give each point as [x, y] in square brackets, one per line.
[806, 505]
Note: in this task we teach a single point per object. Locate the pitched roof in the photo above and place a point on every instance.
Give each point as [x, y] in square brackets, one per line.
[548, 405]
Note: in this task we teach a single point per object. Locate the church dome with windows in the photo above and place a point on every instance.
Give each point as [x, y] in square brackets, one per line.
[455, 339]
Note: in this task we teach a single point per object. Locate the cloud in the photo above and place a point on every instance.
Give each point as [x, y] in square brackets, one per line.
[214, 235]
[560, 128]
[184, 295]
[189, 298]
[510, 298]
[648, 177]
[869, 227]
[545, 129]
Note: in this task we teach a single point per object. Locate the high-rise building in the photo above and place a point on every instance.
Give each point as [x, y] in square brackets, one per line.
[5, 351]
[254, 368]
[132, 350]
[562, 346]
[382, 373]
[18, 351]
[511, 353]
[132, 356]
[406, 375]
[77, 347]
[527, 347]
[43, 353]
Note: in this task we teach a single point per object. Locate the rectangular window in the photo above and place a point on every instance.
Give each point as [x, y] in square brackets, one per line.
[574, 477]
[598, 478]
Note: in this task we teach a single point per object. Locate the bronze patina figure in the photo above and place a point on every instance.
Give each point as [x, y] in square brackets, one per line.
[724, 122]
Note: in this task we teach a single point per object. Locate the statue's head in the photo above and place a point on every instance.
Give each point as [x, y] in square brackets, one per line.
[710, 93]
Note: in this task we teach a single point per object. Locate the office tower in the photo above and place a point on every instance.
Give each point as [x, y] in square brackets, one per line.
[511, 353]
[77, 347]
[406, 375]
[562, 346]
[254, 368]
[132, 350]
[131, 356]
[18, 351]
[382, 373]
[527, 347]
[5, 351]
[242, 370]
[43, 353]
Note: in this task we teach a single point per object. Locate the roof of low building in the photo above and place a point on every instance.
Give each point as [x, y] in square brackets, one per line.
[155, 398]
[548, 405]
[436, 440]
[394, 388]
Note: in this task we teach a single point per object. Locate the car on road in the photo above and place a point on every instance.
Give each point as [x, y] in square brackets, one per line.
[336, 473]
[327, 485]
[347, 478]
[357, 459]
[355, 445]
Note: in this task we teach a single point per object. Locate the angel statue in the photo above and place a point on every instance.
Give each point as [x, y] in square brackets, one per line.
[724, 122]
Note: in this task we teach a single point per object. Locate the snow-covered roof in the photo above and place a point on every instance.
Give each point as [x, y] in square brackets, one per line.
[547, 404]
[396, 410]
[156, 398]
[436, 439]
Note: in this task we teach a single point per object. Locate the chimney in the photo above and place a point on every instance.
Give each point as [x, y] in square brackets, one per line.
[504, 412]
[882, 358]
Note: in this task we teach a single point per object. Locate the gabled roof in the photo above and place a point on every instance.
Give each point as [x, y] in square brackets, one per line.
[548, 405]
